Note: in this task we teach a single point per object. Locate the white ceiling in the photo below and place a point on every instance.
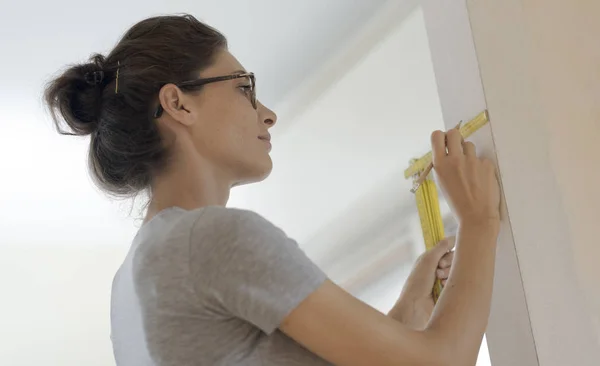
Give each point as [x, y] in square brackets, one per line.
[281, 40]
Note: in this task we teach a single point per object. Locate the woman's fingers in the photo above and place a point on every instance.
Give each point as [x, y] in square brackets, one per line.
[446, 260]
[469, 149]
[450, 143]
[445, 264]
[442, 273]
[438, 146]
[454, 142]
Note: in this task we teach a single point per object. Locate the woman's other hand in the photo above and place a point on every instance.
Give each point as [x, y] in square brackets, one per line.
[415, 305]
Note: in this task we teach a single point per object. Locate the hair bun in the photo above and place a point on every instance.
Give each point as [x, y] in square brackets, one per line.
[75, 97]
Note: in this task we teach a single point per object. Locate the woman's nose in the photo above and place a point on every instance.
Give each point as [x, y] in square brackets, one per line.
[268, 117]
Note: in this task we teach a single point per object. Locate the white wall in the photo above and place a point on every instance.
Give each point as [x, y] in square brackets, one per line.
[566, 50]
[546, 93]
[539, 68]
[55, 304]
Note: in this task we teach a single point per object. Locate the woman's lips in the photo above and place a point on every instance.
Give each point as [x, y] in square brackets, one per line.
[267, 141]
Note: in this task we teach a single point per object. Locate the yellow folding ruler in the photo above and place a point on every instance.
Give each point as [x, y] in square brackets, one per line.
[427, 196]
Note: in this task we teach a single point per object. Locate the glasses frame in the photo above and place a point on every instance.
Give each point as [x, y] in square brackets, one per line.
[194, 84]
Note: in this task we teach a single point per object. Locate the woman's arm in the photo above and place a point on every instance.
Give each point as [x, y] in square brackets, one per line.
[345, 331]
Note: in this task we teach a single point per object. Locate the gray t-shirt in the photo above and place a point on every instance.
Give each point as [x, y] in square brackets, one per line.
[210, 287]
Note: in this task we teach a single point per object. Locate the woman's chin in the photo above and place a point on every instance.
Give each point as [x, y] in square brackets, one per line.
[257, 174]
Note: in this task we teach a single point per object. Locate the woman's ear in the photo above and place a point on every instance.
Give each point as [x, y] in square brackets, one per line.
[171, 98]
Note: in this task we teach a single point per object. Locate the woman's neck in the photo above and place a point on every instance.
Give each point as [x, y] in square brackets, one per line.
[188, 185]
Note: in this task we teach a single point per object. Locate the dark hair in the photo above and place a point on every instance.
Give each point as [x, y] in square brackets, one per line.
[126, 147]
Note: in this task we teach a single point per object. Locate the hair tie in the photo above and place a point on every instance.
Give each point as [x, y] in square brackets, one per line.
[94, 78]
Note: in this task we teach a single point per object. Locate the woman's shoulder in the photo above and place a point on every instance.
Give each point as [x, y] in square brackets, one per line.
[207, 226]
[233, 225]
[209, 236]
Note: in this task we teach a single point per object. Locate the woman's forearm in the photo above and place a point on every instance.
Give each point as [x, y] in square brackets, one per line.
[460, 317]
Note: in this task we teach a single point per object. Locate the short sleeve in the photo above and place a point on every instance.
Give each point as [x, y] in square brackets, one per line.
[249, 266]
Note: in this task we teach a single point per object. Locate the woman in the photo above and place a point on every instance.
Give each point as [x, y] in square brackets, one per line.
[171, 112]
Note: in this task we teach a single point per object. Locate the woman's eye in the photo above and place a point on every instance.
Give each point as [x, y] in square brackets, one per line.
[245, 88]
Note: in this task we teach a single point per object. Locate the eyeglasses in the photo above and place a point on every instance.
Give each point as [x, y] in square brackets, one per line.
[195, 84]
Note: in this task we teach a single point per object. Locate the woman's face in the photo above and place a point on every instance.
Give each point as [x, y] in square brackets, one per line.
[226, 132]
